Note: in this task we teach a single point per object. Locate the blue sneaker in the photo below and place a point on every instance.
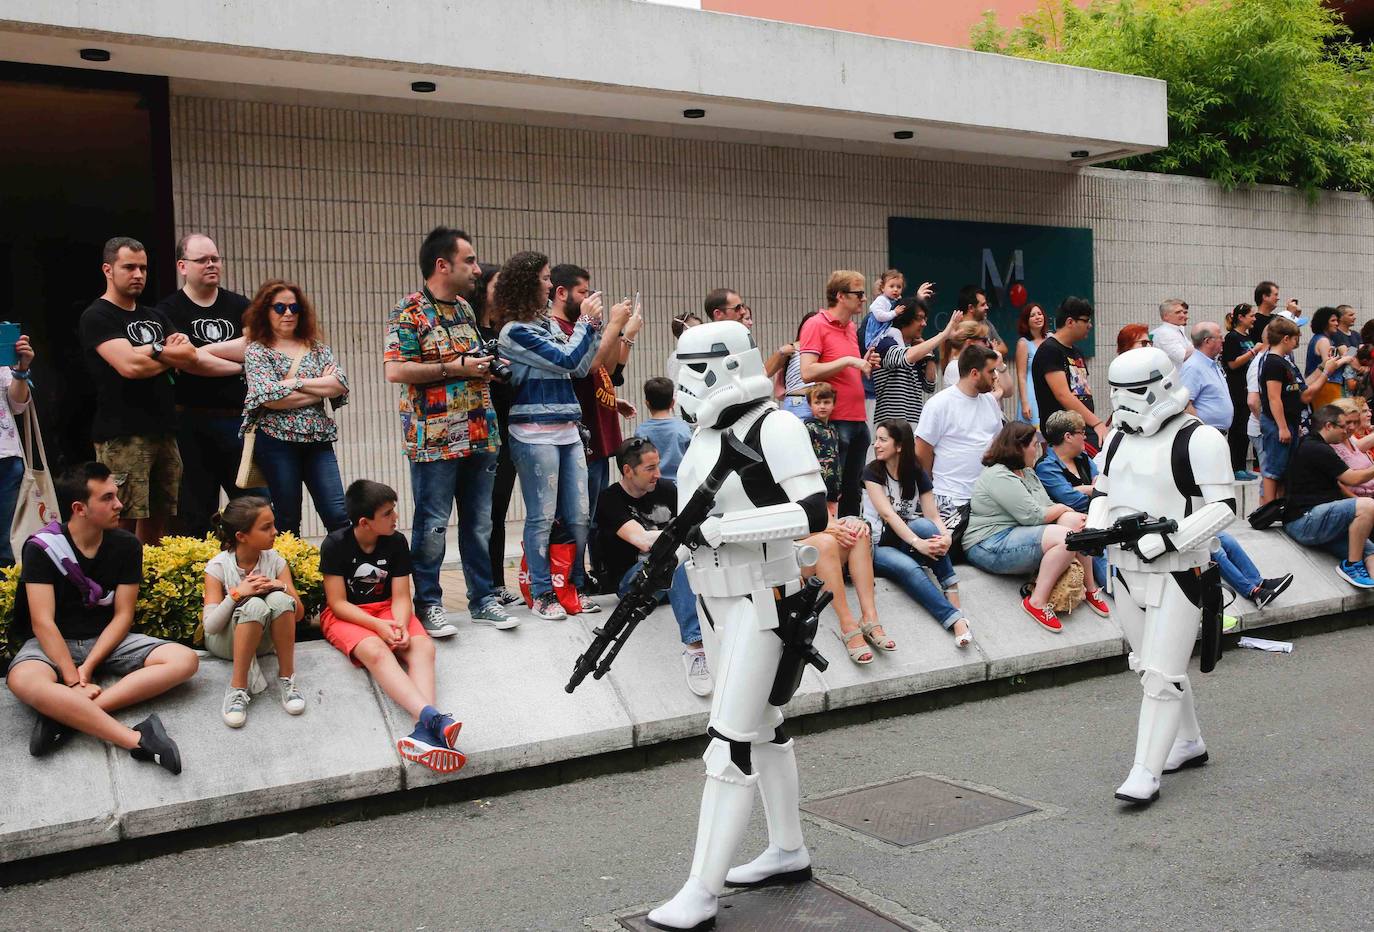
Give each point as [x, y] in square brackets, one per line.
[1355, 573]
[1245, 475]
[442, 725]
[424, 747]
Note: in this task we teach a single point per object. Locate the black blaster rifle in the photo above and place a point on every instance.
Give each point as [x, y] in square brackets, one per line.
[656, 573]
[1127, 531]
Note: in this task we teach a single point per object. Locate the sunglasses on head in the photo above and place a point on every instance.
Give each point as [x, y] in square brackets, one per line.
[292, 308]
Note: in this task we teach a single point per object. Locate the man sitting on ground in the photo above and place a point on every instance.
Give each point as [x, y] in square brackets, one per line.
[75, 606]
[956, 426]
[1318, 512]
[630, 515]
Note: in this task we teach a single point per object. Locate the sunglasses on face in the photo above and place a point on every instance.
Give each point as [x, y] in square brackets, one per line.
[292, 308]
[857, 294]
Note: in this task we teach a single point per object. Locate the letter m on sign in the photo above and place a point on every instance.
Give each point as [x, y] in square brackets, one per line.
[993, 283]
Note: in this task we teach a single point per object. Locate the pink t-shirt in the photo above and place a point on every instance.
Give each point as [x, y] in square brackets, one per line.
[1356, 459]
[831, 340]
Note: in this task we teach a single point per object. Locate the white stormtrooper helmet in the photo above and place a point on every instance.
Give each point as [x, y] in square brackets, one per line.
[1146, 390]
[721, 368]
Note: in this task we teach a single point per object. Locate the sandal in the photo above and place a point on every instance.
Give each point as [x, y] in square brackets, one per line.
[882, 643]
[856, 654]
[965, 639]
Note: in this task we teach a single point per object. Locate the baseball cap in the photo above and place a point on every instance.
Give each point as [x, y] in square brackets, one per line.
[1300, 321]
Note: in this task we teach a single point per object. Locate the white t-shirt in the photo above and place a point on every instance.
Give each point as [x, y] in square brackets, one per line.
[951, 373]
[224, 566]
[1173, 340]
[9, 430]
[960, 428]
[1252, 427]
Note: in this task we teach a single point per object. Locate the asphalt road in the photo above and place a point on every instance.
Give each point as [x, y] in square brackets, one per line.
[1276, 833]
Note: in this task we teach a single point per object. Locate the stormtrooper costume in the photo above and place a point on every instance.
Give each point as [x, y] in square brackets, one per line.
[745, 570]
[1163, 462]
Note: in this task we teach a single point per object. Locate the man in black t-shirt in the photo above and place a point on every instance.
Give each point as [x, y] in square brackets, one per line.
[1059, 373]
[129, 351]
[74, 609]
[209, 407]
[630, 515]
[1318, 509]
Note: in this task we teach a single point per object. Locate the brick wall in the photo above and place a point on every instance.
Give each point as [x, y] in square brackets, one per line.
[337, 192]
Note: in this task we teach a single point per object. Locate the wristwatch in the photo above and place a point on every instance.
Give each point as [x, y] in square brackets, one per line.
[157, 346]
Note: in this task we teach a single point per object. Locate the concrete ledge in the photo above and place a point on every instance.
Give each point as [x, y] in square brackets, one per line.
[507, 688]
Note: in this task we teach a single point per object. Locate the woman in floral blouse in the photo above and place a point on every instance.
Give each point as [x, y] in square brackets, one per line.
[292, 375]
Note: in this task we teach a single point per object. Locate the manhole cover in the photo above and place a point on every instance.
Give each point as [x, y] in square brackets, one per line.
[915, 810]
[793, 908]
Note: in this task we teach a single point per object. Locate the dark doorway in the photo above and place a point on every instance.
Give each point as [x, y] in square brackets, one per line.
[87, 156]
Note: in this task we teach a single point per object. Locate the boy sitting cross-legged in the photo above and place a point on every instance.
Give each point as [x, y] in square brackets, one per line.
[366, 570]
[75, 605]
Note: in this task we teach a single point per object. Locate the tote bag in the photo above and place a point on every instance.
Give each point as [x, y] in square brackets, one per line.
[36, 505]
[249, 475]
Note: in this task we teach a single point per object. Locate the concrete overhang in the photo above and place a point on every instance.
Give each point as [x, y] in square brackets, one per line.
[614, 58]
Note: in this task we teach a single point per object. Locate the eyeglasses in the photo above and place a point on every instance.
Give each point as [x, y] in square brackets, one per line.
[1143, 341]
[292, 308]
[735, 308]
[206, 260]
[1071, 433]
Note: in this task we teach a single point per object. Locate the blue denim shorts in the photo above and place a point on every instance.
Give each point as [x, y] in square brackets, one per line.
[1274, 452]
[1326, 526]
[1013, 552]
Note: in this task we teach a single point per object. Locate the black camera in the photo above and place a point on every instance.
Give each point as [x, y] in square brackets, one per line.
[499, 369]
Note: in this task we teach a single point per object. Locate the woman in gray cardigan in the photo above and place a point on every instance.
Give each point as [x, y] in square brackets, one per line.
[1014, 528]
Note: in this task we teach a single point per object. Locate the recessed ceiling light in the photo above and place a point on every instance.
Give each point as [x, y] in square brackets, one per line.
[1079, 154]
[95, 54]
[694, 113]
[903, 134]
[422, 87]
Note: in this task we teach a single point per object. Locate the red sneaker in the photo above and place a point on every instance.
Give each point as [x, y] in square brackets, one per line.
[1095, 602]
[1045, 617]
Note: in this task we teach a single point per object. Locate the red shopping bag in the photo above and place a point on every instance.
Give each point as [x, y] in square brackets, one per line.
[560, 574]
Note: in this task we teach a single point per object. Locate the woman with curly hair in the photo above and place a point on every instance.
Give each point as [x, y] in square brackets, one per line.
[545, 442]
[292, 374]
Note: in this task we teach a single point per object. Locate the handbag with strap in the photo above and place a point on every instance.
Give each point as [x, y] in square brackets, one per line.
[249, 475]
[36, 506]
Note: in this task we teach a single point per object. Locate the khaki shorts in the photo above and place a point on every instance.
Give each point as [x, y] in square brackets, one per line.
[147, 471]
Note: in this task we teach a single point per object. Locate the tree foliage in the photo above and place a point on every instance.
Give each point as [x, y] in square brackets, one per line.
[1260, 91]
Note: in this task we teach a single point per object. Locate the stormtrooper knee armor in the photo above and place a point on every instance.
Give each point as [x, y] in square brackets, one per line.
[748, 561]
[1163, 462]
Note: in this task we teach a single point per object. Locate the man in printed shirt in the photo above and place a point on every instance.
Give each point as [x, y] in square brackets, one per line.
[449, 428]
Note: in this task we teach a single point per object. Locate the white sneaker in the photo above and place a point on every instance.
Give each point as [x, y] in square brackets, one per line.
[291, 698]
[699, 679]
[235, 708]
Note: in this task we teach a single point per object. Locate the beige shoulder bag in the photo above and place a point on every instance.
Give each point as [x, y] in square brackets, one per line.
[249, 475]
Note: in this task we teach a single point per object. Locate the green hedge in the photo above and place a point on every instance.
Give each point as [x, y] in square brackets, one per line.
[173, 590]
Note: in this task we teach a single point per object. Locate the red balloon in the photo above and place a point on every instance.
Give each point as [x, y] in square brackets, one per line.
[1017, 294]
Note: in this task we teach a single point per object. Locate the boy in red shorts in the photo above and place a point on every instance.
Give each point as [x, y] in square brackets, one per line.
[366, 571]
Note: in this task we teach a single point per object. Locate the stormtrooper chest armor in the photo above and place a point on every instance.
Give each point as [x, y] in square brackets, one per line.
[1141, 477]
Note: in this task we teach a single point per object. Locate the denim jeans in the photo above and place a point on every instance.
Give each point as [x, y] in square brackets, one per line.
[1015, 551]
[1237, 569]
[905, 566]
[210, 452]
[466, 480]
[553, 482]
[11, 478]
[1327, 526]
[1276, 453]
[288, 466]
[854, 440]
[680, 596]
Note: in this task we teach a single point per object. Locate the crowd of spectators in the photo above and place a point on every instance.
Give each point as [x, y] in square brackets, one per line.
[516, 371]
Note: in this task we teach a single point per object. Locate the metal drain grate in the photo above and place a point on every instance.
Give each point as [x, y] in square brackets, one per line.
[796, 907]
[915, 810]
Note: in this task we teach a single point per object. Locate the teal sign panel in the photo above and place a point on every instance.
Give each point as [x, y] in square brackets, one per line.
[1012, 263]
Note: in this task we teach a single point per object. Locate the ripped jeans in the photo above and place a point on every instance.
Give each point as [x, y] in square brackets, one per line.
[553, 482]
[436, 486]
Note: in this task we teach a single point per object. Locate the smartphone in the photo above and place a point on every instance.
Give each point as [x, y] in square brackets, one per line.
[9, 335]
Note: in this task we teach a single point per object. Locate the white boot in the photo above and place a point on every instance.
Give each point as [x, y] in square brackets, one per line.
[725, 804]
[1141, 786]
[1185, 754]
[786, 859]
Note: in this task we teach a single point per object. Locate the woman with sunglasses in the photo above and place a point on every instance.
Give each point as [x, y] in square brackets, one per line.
[1132, 336]
[292, 375]
[1014, 528]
